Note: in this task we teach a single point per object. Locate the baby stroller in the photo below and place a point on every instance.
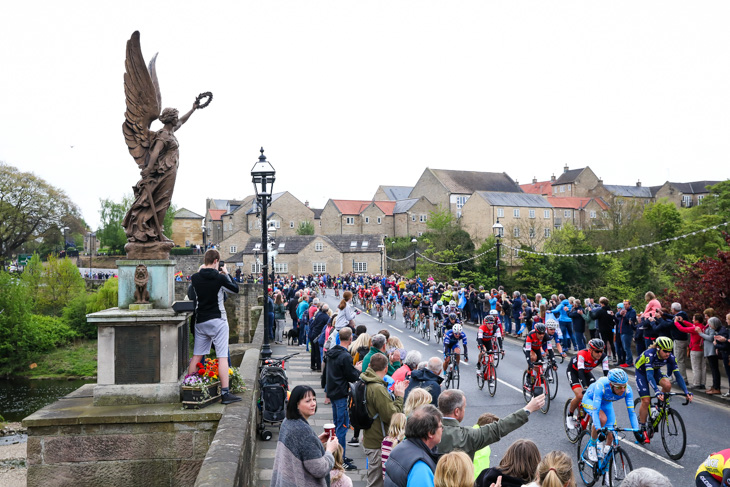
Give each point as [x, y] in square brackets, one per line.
[274, 386]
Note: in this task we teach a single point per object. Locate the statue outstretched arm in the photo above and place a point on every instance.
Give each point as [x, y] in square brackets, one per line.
[185, 117]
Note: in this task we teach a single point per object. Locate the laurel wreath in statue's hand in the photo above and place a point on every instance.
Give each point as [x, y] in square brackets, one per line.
[207, 95]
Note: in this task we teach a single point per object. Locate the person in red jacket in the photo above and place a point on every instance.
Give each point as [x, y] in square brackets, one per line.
[696, 348]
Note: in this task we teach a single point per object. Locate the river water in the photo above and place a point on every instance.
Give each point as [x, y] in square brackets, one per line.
[20, 398]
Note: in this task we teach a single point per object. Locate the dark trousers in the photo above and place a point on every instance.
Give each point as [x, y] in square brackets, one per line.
[725, 356]
[715, 370]
[270, 319]
[315, 360]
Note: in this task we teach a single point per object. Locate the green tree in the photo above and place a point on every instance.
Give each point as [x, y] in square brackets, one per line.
[111, 233]
[52, 286]
[664, 219]
[29, 207]
[305, 228]
[167, 221]
[106, 297]
[16, 309]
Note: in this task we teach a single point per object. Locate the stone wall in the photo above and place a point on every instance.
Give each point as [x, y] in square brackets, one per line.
[187, 264]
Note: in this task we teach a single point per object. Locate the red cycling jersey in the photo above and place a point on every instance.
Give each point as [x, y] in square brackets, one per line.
[584, 360]
[485, 334]
[533, 342]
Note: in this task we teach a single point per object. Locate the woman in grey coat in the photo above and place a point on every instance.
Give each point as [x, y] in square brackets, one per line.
[713, 324]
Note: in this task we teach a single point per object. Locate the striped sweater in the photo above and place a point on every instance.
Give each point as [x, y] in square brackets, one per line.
[300, 457]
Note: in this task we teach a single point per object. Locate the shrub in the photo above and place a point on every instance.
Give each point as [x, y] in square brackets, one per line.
[181, 251]
[74, 315]
[44, 333]
[106, 297]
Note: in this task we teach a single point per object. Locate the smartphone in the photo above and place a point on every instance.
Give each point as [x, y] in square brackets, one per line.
[539, 391]
[220, 265]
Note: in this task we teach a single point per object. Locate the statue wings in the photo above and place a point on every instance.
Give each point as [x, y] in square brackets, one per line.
[142, 92]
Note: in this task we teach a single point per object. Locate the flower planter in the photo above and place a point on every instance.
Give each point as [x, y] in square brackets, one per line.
[196, 397]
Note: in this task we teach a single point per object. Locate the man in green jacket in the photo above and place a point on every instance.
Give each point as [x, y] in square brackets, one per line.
[381, 407]
[378, 347]
[452, 404]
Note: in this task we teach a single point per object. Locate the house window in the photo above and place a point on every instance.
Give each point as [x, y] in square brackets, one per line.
[320, 223]
[555, 189]
[516, 213]
[256, 268]
[500, 212]
[516, 253]
[319, 267]
[547, 232]
[566, 213]
[461, 201]
[532, 232]
[420, 234]
[458, 213]
[413, 218]
[353, 244]
[532, 213]
[281, 268]
[380, 220]
[250, 225]
[423, 219]
[257, 246]
[367, 219]
[516, 232]
[365, 244]
[232, 249]
[700, 197]
[593, 214]
[277, 223]
[349, 220]
[605, 214]
[291, 224]
[562, 189]
[360, 266]
[687, 200]
[546, 213]
[318, 247]
[282, 245]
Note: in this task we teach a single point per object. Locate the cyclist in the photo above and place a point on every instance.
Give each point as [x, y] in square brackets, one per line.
[649, 372]
[438, 312]
[451, 344]
[425, 309]
[580, 375]
[449, 322]
[552, 334]
[391, 299]
[452, 308]
[486, 331]
[415, 304]
[379, 302]
[597, 403]
[715, 471]
[406, 304]
[533, 347]
[495, 314]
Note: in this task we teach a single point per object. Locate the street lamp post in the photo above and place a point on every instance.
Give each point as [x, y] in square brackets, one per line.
[414, 241]
[91, 235]
[263, 176]
[498, 233]
[203, 229]
[272, 241]
[382, 249]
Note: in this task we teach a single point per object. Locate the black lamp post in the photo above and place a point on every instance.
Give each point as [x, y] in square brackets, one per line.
[263, 176]
[91, 235]
[414, 241]
[498, 233]
[272, 241]
[203, 229]
[382, 249]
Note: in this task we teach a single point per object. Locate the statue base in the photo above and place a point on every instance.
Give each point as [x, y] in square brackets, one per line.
[161, 283]
[148, 250]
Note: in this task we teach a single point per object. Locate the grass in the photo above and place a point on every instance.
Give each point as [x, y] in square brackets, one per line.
[75, 360]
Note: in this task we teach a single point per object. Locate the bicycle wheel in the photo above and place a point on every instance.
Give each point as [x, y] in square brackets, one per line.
[480, 376]
[427, 331]
[491, 380]
[586, 469]
[496, 356]
[674, 436]
[544, 409]
[449, 377]
[526, 387]
[439, 336]
[618, 467]
[456, 377]
[551, 376]
[572, 434]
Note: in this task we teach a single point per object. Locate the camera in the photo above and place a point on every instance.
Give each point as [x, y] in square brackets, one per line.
[220, 265]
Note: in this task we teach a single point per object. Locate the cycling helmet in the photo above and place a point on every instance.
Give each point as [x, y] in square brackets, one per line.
[493, 312]
[452, 303]
[439, 303]
[456, 328]
[540, 328]
[452, 316]
[664, 343]
[617, 376]
[380, 294]
[418, 294]
[489, 319]
[596, 345]
[551, 323]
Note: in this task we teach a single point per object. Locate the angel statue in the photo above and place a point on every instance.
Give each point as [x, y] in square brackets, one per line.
[156, 154]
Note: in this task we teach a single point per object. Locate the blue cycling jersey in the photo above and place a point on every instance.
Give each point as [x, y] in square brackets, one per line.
[451, 341]
[600, 395]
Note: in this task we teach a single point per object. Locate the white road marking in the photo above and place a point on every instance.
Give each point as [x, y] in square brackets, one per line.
[628, 442]
[396, 329]
[510, 385]
[416, 339]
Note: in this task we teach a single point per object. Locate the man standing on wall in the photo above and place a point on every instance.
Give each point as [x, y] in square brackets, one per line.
[211, 322]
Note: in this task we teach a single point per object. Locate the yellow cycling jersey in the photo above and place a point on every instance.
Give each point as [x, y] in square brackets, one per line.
[716, 465]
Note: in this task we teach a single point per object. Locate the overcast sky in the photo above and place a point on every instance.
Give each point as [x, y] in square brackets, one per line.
[346, 95]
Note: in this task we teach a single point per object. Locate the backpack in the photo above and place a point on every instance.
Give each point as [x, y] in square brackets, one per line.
[357, 405]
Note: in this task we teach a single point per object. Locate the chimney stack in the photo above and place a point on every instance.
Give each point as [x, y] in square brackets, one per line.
[552, 178]
[565, 169]
[306, 203]
[534, 180]
[638, 184]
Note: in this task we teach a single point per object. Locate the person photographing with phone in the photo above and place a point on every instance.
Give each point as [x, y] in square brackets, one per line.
[211, 326]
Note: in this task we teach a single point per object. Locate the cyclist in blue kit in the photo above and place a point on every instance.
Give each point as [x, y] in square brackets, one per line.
[451, 344]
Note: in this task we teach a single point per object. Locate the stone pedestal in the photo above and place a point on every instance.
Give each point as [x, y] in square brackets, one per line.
[161, 284]
[142, 356]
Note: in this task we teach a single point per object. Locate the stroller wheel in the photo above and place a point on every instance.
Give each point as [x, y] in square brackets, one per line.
[266, 435]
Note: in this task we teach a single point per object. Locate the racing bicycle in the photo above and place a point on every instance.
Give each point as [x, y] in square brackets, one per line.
[668, 421]
[486, 369]
[614, 464]
[534, 378]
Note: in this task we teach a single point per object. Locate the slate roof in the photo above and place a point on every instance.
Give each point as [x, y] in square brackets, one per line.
[467, 182]
[403, 206]
[695, 187]
[568, 176]
[294, 244]
[215, 215]
[395, 193]
[185, 214]
[541, 187]
[629, 191]
[575, 203]
[343, 243]
[219, 204]
[355, 207]
[317, 212]
[515, 199]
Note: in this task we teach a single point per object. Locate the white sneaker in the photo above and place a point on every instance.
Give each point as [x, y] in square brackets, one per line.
[570, 422]
[592, 454]
[606, 449]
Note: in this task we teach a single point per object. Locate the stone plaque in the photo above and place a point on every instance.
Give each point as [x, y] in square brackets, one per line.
[137, 355]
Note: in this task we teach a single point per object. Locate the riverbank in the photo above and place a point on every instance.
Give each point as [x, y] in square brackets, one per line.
[13, 452]
[71, 362]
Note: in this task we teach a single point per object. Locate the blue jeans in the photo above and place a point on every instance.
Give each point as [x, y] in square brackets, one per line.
[341, 418]
[580, 339]
[626, 342]
[566, 328]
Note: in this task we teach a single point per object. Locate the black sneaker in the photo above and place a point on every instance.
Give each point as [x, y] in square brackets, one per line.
[229, 398]
[353, 442]
[349, 466]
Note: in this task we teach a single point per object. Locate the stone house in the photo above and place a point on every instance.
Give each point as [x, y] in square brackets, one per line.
[411, 217]
[582, 213]
[187, 228]
[637, 194]
[314, 254]
[580, 182]
[392, 193]
[452, 189]
[527, 218]
[349, 217]
[684, 195]
[214, 226]
[285, 211]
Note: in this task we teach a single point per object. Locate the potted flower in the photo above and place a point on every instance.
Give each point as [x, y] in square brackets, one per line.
[202, 388]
